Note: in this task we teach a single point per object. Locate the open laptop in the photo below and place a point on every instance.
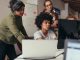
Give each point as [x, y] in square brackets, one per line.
[39, 49]
[72, 49]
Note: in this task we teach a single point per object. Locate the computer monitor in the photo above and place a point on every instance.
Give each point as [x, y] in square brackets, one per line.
[68, 29]
[72, 49]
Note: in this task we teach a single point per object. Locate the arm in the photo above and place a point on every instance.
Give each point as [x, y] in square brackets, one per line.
[13, 28]
[22, 29]
[24, 32]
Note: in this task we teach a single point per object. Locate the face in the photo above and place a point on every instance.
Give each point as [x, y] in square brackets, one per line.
[45, 25]
[20, 12]
[48, 6]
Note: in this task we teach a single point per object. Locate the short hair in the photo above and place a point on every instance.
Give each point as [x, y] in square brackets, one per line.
[41, 17]
[16, 5]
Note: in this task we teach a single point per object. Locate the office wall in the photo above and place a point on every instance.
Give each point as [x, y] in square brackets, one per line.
[29, 18]
[4, 10]
[59, 4]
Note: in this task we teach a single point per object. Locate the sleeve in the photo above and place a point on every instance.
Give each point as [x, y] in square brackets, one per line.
[24, 32]
[37, 36]
[22, 29]
[13, 28]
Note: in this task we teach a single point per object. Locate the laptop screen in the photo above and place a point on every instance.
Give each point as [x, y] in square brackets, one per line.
[72, 50]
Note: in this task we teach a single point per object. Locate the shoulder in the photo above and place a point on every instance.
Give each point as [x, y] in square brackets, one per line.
[37, 34]
[10, 18]
[11, 15]
[52, 34]
[50, 31]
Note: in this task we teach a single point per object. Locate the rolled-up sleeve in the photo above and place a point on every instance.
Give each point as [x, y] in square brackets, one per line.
[13, 28]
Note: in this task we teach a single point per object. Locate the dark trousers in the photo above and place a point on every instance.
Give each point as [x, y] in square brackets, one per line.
[7, 49]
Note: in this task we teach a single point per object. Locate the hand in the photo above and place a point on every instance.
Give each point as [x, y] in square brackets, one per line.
[26, 37]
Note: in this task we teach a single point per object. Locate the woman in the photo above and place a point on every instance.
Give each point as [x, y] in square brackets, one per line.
[43, 22]
[48, 8]
[11, 30]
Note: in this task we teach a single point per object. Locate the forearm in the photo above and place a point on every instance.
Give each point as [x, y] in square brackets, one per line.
[14, 30]
[24, 32]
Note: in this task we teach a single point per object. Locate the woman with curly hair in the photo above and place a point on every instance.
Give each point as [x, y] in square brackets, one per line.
[43, 22]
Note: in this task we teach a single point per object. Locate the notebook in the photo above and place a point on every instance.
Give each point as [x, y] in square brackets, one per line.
[39, 49]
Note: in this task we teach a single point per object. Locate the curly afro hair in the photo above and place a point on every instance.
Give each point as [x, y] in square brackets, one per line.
[41, 17]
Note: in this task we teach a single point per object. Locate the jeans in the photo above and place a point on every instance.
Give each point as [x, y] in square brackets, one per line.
[7, 49]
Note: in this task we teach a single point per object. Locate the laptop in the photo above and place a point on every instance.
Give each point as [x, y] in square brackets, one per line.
[39, 49]
[72, 49]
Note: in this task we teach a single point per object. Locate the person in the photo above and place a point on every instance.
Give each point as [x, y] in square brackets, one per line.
[71, 17]
[43, 22]
[12, 30]
[48, 8]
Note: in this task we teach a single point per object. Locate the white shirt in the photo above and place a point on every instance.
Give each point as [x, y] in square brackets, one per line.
[39, 34]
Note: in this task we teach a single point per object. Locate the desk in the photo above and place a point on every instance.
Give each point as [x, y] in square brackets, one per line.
[60, 57]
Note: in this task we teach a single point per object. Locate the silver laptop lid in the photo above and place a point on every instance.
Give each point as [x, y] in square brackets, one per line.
[39, 48]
